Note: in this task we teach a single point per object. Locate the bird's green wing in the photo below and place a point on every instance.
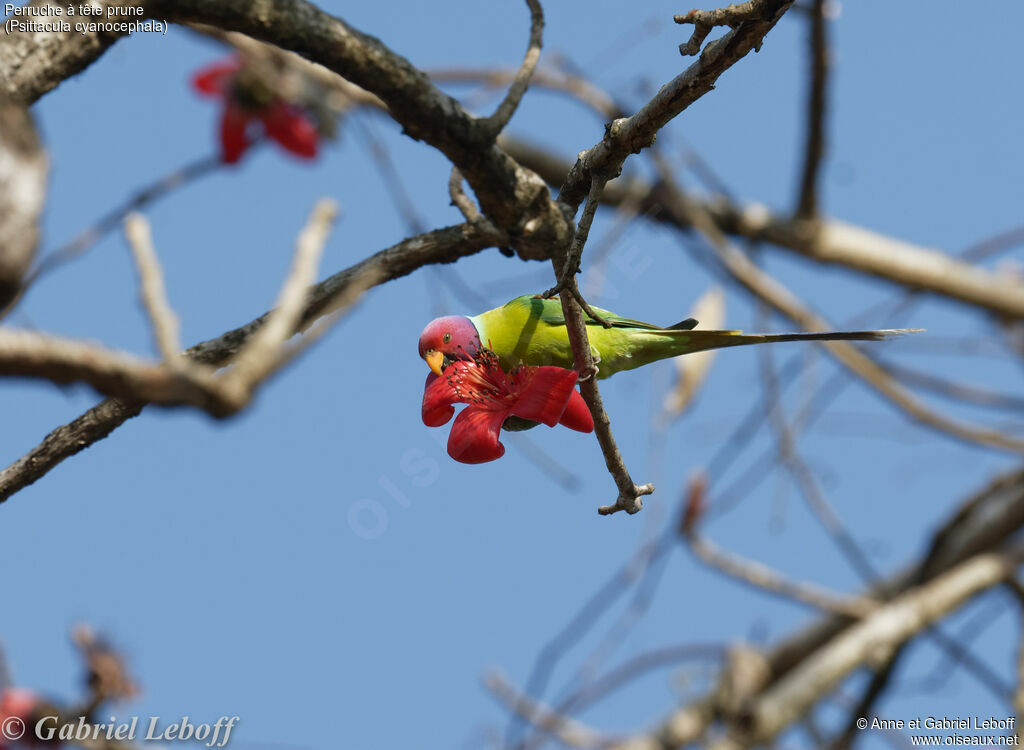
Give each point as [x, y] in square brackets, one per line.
[551, 314]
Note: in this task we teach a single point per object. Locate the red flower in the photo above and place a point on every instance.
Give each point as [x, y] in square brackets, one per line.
[16, 713]
[248, 102]
[539, 394]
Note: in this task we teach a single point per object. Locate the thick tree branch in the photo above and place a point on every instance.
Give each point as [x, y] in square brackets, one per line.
[61, 360]
[22, 194]
[514, 198]
[439, 246]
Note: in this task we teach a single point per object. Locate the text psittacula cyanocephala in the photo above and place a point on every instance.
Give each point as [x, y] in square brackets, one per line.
[531, 330]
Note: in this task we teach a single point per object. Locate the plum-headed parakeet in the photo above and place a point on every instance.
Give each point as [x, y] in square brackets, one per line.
[530, 330]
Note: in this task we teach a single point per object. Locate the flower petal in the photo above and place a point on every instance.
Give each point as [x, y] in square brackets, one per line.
[438, 397]
[577, 414]
[234, 139]
[215, 80]
[291, 128]
[474, 435]
[545, 394]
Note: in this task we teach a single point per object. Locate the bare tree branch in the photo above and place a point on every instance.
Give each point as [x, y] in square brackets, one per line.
[771, 291]
[831, 241]
[166, 327]
[890, 626]
[113, 218]
[573, 307]
[633, 134]
[757, 574]
[814, 151]
[459, 198]
[568, 731]
[513, 198]
[497, 122]
[705, 20]
[257, 360]
[983, 522]
[172, 382]
[544, 78]
[439, 246]
[22, 195]
[1015, 585]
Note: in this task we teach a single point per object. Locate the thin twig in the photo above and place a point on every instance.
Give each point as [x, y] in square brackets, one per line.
[870, 372]
[814, 151]
[565, 277]
[757, 574]
[459, 198]
[955, 390]
[257, 360]
[545, 78]
[625, 218]
[6, 677]
[880, 680]
[599, 687]
[568, 731]
[760, 576]
[166, 326]
[497, 122]
[112, 219]
[391, 177]
[809, 487]
[888, 627]
[630, 494]
[589, 613]
[631, 135]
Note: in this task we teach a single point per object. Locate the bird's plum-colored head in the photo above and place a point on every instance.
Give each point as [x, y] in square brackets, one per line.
[448, 339]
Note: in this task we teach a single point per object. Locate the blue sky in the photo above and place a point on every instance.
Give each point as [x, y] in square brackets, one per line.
[318, 565]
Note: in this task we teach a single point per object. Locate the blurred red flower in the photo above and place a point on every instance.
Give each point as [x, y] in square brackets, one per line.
[16, 713]
[246, 103]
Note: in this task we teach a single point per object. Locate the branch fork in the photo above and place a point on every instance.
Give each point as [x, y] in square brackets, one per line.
[705, 20]
[176, 379]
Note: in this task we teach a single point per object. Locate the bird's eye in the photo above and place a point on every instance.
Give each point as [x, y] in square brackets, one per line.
[446, 338]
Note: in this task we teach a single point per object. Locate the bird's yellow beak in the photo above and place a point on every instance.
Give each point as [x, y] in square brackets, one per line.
[435, 360]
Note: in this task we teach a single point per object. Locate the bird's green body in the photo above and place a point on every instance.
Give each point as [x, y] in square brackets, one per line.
[531, 330]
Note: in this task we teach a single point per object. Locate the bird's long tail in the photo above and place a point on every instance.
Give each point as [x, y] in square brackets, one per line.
[703, 340]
